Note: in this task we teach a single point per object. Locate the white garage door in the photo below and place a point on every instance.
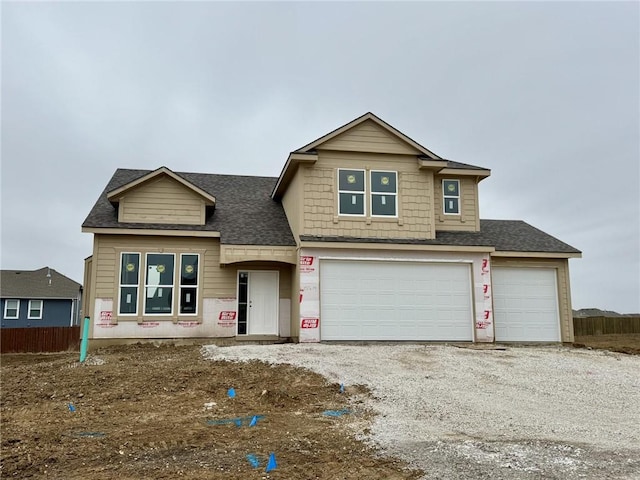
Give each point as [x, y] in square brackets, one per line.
[525, 305]
[368, 300]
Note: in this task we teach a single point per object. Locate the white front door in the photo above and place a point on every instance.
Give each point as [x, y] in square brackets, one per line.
[258, 303]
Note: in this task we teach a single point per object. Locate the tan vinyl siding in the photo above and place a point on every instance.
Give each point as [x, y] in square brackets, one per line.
[87, 288]
[295, 302]
[468, 219]
[214, 282]
[564, 289]
[162, 201]
[292, 201]
[369, 137]
[320, 205]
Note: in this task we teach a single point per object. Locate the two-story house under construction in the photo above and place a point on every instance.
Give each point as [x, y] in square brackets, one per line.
[365, 235]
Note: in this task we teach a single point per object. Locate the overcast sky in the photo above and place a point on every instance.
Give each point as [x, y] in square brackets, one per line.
[544, 94]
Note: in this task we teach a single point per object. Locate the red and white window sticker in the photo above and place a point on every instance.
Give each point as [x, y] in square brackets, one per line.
[227, 315]
[310, 323]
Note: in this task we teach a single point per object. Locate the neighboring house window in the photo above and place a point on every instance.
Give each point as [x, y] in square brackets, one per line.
[158, 285]
[351, 192]
[35, 309]
[129, 280]
[11, 309]
[451, 196]
[384, 192]
[189, 283]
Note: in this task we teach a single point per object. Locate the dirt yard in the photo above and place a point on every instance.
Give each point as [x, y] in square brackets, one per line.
[146, 412]
[624, 343]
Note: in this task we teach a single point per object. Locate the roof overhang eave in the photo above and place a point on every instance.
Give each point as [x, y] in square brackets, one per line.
[521, 254]
[294, 160]
[151, 231]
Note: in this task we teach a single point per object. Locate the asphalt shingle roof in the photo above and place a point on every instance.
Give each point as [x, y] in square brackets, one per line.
[35, 284]
[503, 235]
[245, 213]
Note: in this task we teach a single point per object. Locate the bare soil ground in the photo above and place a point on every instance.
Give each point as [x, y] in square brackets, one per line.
[624, 343]
[147, 412]
[140, 413]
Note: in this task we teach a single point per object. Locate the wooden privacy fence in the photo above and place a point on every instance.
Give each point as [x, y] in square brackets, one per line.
[34, 340]
[605, 325]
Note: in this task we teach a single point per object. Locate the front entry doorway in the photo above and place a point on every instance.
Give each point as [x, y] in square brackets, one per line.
[258, 302]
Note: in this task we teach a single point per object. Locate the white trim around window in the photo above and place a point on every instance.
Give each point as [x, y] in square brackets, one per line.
[15, 307]
[35, 310]
[384, 193]
[159, 283]
[129, 284]
[451, 196]
[351, 192]
[189, 278]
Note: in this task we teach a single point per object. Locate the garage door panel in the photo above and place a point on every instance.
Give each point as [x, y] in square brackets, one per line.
[525, 305]
[362, 300]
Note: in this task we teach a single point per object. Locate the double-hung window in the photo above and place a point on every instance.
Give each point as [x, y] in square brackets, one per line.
[158, 284]
[11, 309]
[384, 193]
[351, 190]
[189, 283]
[35, 310]
[451, 196]
[129, 279]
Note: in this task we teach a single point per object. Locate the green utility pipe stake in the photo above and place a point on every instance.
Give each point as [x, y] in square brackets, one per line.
[85, 340]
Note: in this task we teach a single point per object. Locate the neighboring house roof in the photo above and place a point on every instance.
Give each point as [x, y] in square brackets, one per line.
[245, 213]
[37, 284]
[503, 235]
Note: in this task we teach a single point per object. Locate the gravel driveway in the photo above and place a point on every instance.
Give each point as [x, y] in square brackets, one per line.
[521, 412]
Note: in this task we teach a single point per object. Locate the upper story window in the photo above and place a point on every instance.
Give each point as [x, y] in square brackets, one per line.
[451, 196]
[351, 191]
[35, 309]
[384, 193]
[159, 284]
[129, 279]
[11, 309]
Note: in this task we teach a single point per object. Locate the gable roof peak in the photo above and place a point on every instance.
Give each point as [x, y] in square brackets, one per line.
[368, 116]
[115, 194]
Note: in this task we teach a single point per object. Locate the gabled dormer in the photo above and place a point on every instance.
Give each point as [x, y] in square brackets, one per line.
[367, 179]
[162, 197]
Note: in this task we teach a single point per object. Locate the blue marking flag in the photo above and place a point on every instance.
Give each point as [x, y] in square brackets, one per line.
[253, 460]
[271, 464]
[336, 413]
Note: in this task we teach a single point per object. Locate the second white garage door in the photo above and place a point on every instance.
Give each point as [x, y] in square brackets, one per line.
[370, 300]
[525, 305]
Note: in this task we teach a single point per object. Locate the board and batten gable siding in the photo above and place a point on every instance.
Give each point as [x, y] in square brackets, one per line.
[369, 137]
[561, 266]
[320, 202]
[164, 201]
[214, 281]
[469, 219]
